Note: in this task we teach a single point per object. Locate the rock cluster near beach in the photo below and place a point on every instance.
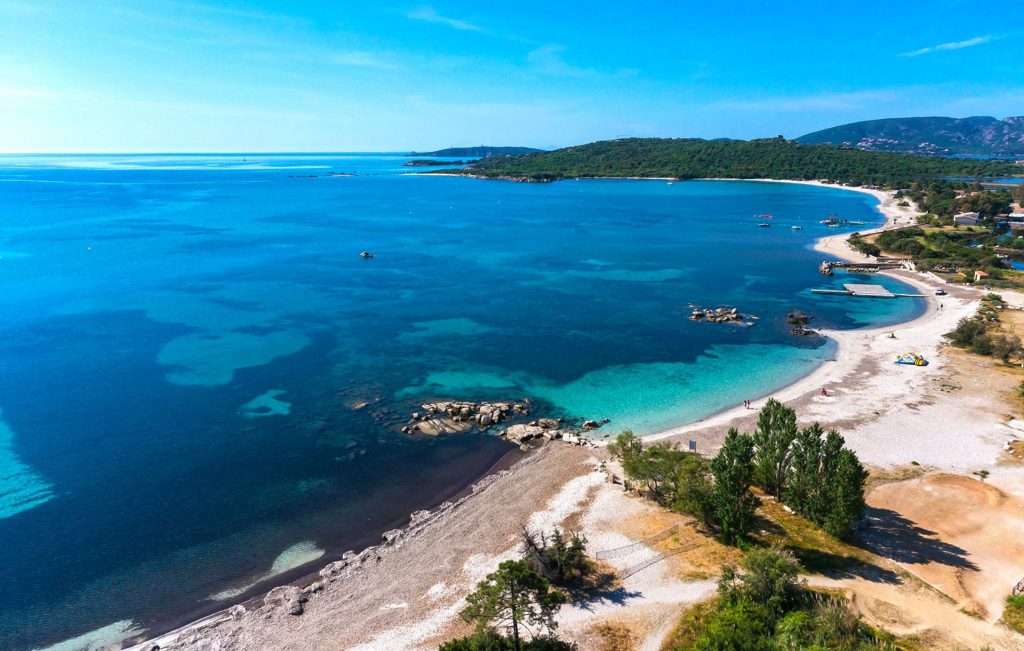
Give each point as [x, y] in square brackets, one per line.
[799, 320]
[718, 315]
[456, 417]
[550, 429]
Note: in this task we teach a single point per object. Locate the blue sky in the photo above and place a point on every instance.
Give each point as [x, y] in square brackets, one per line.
[158, 75]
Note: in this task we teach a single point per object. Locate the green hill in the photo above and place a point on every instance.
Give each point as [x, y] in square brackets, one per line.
[752, 159]
[928, 135]
[476, 152]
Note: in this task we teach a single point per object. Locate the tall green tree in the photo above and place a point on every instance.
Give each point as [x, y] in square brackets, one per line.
[693, 488]
[826, 480]
[773, 440]
[801, 483]
[731, 500]
[846, 494]
[513, 598]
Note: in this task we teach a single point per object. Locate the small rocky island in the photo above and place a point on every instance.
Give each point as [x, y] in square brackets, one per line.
[799, 320]
[720, 315]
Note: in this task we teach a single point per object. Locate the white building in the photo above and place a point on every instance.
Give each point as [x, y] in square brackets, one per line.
[967, 219]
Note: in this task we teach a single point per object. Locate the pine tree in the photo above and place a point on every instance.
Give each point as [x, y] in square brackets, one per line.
[773, 438]
[512, 597]
[731, 500]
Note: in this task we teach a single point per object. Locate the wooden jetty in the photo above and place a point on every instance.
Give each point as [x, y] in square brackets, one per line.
[867, 291]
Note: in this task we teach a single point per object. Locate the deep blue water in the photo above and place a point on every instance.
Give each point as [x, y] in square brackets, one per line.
[148, 300]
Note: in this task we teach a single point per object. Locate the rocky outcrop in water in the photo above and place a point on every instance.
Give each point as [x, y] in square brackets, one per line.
[799, 320]
[453, 417]
[718, 315]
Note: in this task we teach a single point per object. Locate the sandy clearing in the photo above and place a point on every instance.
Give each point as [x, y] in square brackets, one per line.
[960, 535]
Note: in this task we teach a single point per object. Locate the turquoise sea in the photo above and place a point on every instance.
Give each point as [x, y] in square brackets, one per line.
[187, 344]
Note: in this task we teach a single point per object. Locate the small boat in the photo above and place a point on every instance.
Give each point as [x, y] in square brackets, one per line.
[669, 183]
[856, 223]
[764, 216]
[367, 255]
[764, 225]
[797, 228]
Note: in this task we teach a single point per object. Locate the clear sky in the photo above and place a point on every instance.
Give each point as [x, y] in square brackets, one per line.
[339, 75]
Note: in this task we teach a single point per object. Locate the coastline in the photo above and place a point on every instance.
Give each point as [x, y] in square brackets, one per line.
[856, 378]
[849, 343]
[309, 573]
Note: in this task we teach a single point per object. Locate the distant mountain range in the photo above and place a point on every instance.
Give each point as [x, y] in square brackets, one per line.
[936, 136]
[477, 152]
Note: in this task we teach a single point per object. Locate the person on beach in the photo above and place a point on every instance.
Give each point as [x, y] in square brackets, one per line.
[823, 391]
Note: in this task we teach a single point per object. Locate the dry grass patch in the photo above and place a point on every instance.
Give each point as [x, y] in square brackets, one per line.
[879, 476]
[817, 551]
[615, 636]
[1014, 453]
[705, 555]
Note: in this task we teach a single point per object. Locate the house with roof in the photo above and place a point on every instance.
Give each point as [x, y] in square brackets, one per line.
[967, 219]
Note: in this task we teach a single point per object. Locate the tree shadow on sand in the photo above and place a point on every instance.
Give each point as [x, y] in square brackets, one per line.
[891, 535]
[610, 592]
[838, 567]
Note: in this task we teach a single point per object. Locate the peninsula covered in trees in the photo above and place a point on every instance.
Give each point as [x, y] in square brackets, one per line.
[477, 152]
[774, 158]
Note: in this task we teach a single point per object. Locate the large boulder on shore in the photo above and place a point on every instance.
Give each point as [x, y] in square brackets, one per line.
[522, 433]
[287, 598]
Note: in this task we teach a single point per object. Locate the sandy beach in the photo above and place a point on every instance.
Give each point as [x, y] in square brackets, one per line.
[928, 419]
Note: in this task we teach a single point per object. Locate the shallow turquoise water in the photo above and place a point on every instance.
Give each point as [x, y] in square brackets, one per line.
[184, 342]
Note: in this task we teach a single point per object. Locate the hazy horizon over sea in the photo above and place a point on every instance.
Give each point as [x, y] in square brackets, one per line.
[186, 343]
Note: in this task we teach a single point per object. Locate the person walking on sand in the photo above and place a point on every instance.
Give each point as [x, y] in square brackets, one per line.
[824, 392]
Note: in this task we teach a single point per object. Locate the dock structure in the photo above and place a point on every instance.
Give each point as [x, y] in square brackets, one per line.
[873, 291]
[867, 291]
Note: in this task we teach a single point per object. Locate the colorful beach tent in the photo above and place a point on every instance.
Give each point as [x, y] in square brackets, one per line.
[912, 359]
